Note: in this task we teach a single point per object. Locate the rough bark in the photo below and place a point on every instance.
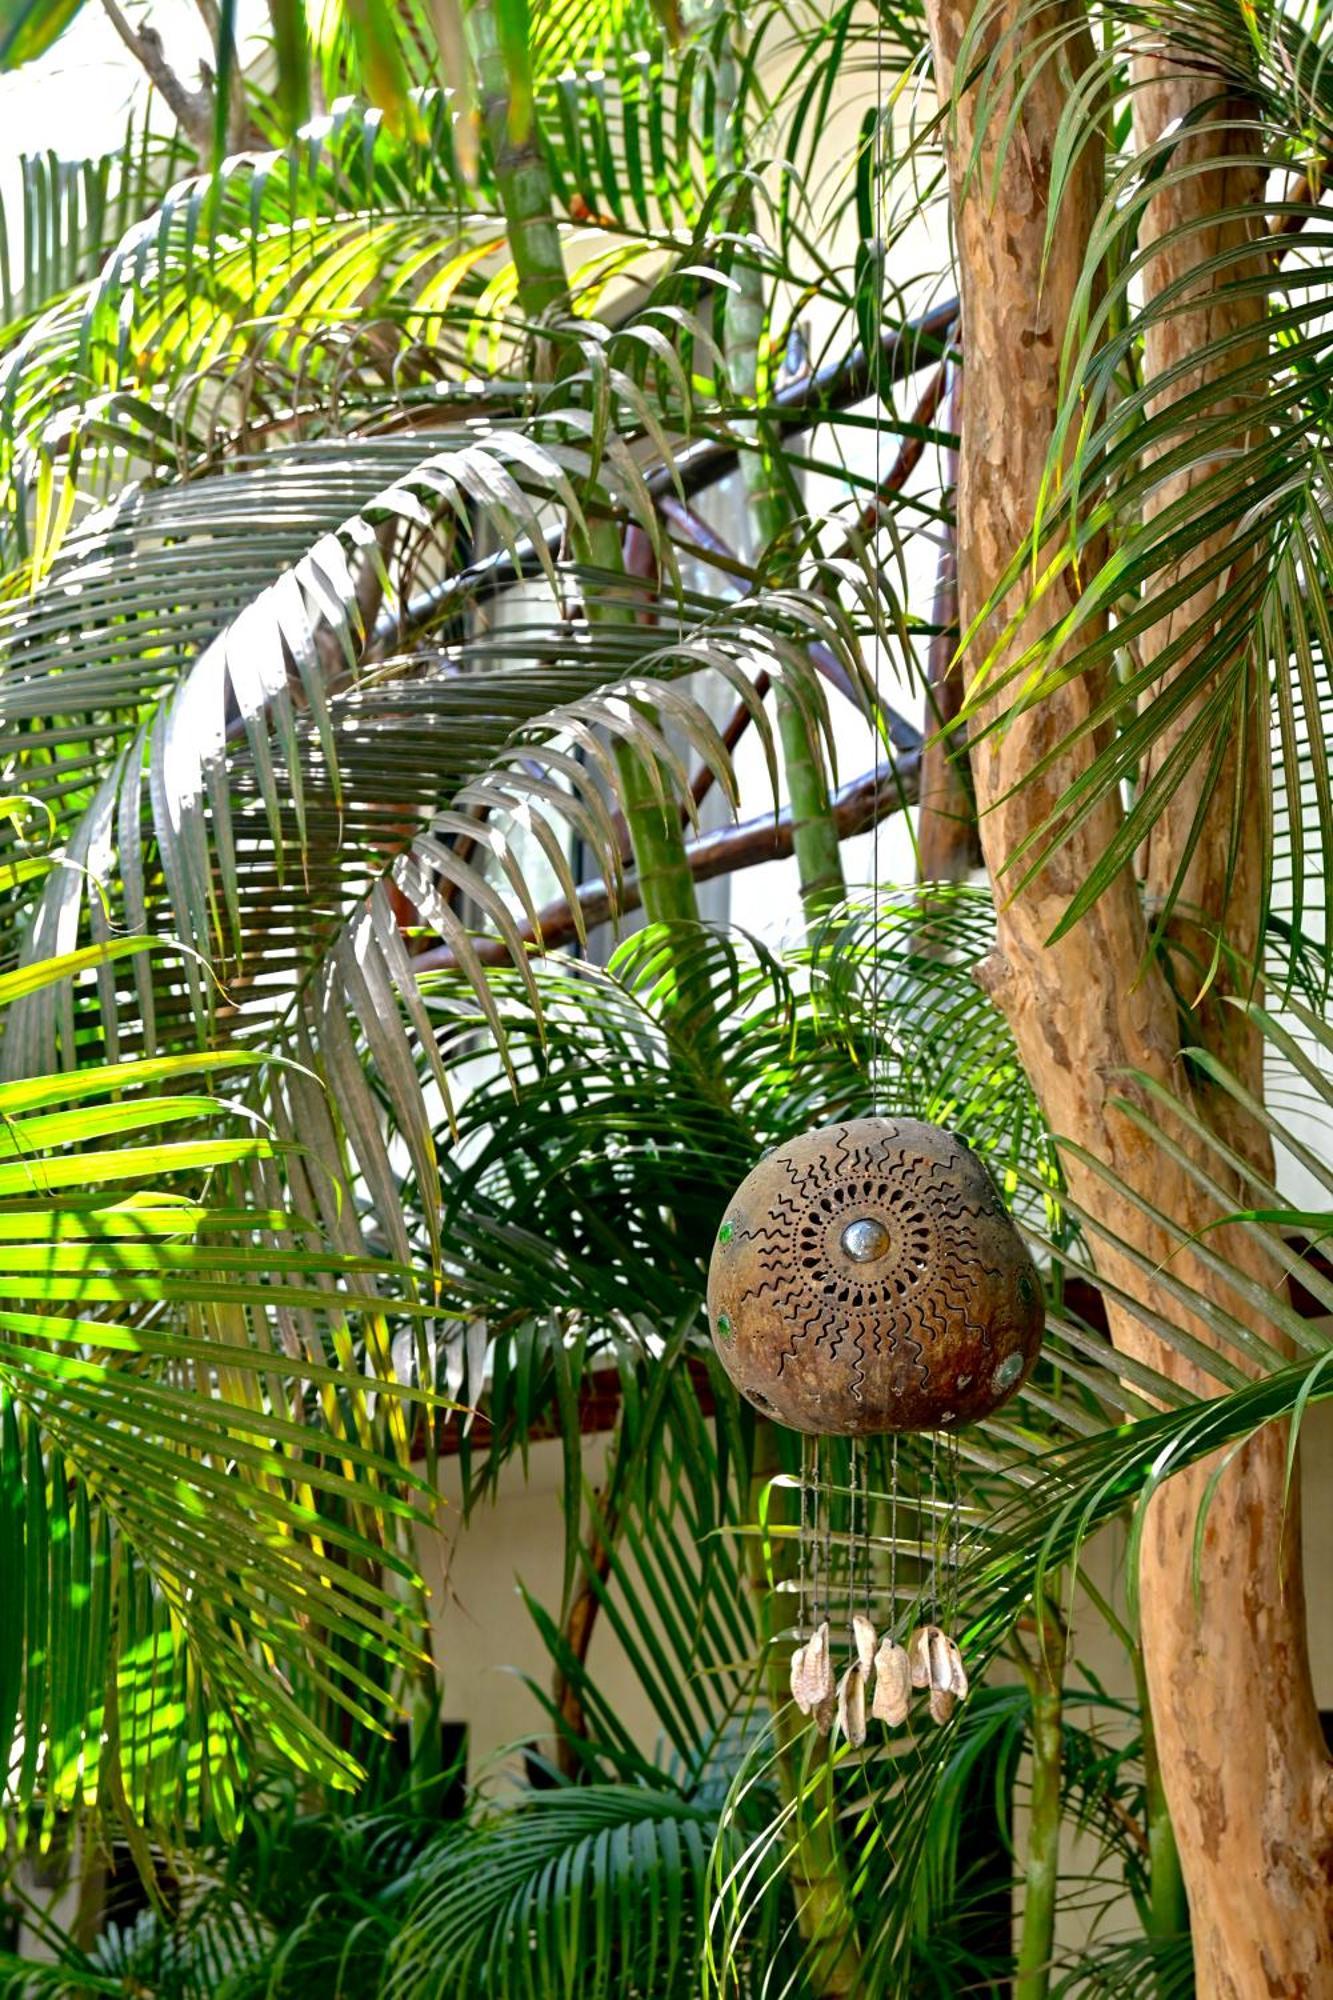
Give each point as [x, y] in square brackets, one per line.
[192, 109]
[947, 841]
[1236, 1727]
[1192, 222]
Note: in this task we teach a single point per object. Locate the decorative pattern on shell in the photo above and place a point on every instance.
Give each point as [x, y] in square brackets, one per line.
[867, 1277]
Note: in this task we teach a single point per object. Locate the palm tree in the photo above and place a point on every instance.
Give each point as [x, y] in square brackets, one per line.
[282, 435]
[205, 1524]
[621, 1867]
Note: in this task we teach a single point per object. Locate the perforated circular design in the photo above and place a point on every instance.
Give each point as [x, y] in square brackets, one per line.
[867, 1277]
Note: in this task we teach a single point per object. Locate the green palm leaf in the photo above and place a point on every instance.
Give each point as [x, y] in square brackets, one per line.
[203, 1521]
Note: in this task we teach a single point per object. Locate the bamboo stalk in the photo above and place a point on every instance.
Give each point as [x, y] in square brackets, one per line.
[657, 841]
[1045, 1681]
[1168, 1913]
[814, 834]
[521, 174]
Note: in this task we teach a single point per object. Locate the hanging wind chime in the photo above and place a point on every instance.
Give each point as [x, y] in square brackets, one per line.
[867, 1280]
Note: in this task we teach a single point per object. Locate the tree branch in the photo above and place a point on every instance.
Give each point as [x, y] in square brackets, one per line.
[192, 109]
[872, 515]
[902, 734]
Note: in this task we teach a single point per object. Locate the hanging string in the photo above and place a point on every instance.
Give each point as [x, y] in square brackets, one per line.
[853, 1480]
[955, 1528]
[934, 1529]
[920, 1543]
[827, 1498]
[803, 1548]
[893, 1536]
[866, 1550]
[814, 1540]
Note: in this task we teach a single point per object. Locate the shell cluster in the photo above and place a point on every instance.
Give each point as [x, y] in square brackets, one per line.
[868, 1278]
[889, 1670]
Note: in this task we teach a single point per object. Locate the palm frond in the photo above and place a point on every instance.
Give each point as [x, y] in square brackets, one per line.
[203, 1522]
[587, 1889]
[1234, 570]
[1030, 1505]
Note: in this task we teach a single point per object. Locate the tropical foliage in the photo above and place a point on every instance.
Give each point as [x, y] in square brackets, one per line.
[363, 647]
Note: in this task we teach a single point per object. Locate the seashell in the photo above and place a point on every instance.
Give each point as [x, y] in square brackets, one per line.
[942, 1704]
[918, 1655]
[852, 1706]
[863, 1634]
[812, 1682]
[798, 1681]
[941, 1666]
[821, 1668]
[893, 1685]
[957, 1671]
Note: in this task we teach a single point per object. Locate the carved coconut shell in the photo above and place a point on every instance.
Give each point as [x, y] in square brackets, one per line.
[867, 1277]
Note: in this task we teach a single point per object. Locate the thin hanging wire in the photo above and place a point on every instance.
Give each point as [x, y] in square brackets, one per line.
[803, 1546]
[814, 1540]
[920, 1599]
[955, 1527]
[826, 1500]
[934, 1528]
[893, 1536]
[853, 1481]
[866, 1542]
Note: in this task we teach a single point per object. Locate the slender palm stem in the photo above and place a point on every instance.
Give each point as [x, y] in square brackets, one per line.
[1044, 1675]
[521, 174]
[1168, 1912]
[814, 829]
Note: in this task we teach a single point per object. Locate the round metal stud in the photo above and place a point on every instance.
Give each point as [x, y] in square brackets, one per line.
[866, 1240]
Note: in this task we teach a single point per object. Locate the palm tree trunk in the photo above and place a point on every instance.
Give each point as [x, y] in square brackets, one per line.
[814, 829]
[1045, 1680]
[520, 170]
[947, 843]
[1195, 217]
[1247, 1777]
